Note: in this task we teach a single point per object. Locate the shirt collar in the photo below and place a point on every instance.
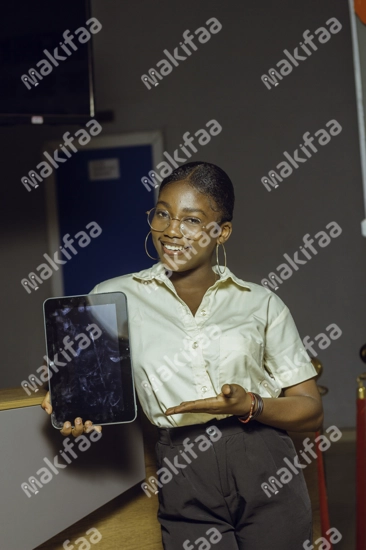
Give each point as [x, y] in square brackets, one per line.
[157, 271]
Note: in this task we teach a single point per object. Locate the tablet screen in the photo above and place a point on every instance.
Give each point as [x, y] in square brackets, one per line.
[90, 373]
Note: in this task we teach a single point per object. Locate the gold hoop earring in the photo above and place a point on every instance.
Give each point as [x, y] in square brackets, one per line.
[147, 236]
[217, 258]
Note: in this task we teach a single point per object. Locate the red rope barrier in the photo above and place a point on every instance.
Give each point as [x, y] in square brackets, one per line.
[361, 475]
[323, 498]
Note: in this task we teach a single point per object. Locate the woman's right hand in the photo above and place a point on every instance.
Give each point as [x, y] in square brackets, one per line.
[79, 429]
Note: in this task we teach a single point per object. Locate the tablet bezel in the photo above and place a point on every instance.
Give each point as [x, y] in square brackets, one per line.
[119, 299]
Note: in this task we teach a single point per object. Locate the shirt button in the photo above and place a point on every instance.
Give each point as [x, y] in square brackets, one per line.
[195, 345]
[203, 312]
[204, 389]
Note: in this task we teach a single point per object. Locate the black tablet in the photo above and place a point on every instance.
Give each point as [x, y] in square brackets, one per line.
[89, 361]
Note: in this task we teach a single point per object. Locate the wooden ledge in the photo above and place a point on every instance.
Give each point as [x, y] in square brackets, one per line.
[15, 398]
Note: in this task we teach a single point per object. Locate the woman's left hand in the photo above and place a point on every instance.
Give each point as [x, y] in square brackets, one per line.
[233, 399]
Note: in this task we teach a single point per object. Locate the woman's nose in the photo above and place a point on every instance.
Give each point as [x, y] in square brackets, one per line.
[174, 228]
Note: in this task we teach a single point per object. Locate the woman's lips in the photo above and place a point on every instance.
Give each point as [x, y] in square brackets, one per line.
[173, 252]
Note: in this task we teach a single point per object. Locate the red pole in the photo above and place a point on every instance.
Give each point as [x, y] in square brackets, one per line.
[323, 498]
[361, 469]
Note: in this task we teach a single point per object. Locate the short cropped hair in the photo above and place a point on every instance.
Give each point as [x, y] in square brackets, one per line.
[210, 180]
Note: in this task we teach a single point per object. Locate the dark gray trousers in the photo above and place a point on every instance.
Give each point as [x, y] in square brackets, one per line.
[214, 490]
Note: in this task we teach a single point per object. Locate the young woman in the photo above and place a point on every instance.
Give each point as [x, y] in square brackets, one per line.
[221, 371]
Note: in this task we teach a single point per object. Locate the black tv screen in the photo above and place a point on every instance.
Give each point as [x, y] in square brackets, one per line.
[46, 59]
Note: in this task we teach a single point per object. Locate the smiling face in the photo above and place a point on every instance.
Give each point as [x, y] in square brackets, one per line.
[177, 251]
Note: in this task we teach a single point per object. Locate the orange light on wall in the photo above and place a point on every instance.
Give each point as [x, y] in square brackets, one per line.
[360, 9]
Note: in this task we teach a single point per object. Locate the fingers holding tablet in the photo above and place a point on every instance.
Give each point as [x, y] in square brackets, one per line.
[79, 427]
[89, 427]
[67, 428]
[76, 431]
[46, 403]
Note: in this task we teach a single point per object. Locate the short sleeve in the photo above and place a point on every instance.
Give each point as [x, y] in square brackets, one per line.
[94, 290]
[284, 355]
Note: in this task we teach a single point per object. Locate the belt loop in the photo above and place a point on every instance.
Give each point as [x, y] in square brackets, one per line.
[170, 437]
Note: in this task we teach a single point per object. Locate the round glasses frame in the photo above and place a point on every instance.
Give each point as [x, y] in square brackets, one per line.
[185, 232]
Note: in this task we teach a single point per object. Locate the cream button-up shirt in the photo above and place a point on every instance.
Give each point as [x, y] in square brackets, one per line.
[242, 333]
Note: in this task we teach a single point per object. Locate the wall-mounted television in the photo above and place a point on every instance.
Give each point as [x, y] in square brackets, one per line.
[46, 61]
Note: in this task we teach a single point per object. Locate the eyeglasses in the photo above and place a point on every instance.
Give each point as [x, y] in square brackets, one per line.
[159, 220]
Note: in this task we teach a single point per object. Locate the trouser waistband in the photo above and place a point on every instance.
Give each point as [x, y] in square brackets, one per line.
[227, 426]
